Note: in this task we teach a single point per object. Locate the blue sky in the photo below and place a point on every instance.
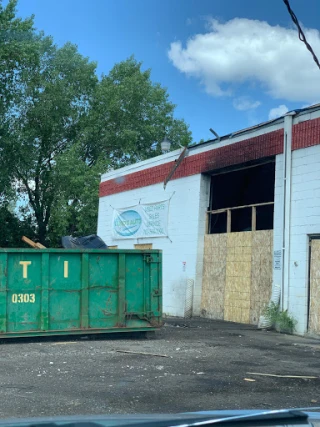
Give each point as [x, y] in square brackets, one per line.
[227, 64]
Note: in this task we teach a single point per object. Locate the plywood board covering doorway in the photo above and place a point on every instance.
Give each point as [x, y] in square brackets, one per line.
[314, 297]
[237, 275]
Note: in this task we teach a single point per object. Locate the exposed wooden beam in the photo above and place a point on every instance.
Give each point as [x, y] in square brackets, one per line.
[175, 166]
[254, 218]
[240, 207]
[228, 221]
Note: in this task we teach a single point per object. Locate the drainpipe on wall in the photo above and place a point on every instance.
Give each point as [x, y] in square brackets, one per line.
[287, 159]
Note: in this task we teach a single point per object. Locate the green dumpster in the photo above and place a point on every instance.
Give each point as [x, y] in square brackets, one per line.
[62, 291]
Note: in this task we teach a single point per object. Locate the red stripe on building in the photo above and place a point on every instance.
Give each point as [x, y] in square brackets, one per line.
[306, 134]
[250, 149]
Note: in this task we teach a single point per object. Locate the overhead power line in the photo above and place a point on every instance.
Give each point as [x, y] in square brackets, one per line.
[302, 37]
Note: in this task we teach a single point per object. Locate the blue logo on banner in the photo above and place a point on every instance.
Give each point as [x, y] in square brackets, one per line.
[127, 223]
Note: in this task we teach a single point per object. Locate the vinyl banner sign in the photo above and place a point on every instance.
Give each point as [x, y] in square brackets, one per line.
[140, 221]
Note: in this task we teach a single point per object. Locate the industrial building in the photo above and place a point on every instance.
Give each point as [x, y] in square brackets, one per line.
[234, 217]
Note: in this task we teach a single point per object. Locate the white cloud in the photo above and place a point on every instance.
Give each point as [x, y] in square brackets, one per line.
[244, 103]
[244, 50]
[278, 112]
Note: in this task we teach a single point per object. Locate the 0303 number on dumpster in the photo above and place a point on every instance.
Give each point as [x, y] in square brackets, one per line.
[23, 298]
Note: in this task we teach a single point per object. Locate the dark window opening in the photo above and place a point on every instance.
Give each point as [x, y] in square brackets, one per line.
[264, 217]
[243, 198]
[241, 220]
[218, 222]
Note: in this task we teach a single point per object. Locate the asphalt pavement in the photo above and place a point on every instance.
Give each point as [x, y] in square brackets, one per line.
[189, 366]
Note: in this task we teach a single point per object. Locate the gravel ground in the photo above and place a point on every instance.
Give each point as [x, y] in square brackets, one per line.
[207, 367]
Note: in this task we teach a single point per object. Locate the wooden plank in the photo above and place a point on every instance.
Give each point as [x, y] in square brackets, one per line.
[206, 230]
[141, 352]
[40, 246]
[29, 242]
[176, 164]
[254, 218]
[228, 221]
[307, 377]
[214, 275]
[142, 246]
[32, 243]
[314, 304]
[240, 207]
[261, 272]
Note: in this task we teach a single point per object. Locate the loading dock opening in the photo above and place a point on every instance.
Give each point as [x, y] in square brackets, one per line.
[237, 266]
[242, 199]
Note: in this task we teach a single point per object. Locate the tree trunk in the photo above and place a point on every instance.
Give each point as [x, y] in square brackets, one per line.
[42, 232]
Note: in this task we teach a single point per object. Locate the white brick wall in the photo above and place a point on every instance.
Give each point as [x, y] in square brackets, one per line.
[304, 221]
[186, 225]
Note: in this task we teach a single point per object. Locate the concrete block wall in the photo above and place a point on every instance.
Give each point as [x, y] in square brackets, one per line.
[304, 221]
[186, 220]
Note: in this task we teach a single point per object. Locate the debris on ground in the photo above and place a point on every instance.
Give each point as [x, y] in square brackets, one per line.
[306, 377]
[141, 352]
[102, 380]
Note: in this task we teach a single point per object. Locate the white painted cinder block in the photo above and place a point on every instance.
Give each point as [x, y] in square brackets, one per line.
[304, 221]
[186, 227]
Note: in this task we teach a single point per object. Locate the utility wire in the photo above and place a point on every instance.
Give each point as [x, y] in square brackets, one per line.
[302, 37]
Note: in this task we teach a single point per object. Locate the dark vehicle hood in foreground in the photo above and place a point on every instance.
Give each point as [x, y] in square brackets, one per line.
[231, 417]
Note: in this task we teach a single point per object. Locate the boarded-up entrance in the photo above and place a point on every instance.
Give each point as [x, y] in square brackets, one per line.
[314, 306]
[237, 275]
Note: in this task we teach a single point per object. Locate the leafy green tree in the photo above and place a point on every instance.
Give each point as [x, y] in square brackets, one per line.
[74, 211]
[18, 43]
[56, 92]
[130, 114]
[13, 227]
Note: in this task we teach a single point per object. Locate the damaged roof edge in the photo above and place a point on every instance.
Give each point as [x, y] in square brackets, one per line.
[238, 133]
[251, 129]
[172, 155]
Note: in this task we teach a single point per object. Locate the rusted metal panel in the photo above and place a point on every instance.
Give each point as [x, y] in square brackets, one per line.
[60, 291]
